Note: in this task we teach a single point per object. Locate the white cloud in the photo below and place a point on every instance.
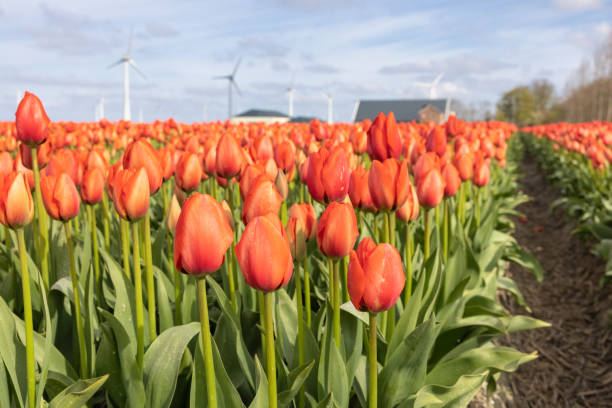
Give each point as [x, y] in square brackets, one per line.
[578, 4]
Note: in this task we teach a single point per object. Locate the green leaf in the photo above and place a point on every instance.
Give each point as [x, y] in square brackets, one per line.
[78, 393]
[526, 260]
[162, 361]
[261, 399]
[477, 361]
[166, 320]
[456, 396]
[297, 377]
[405, 370]
[12, 353]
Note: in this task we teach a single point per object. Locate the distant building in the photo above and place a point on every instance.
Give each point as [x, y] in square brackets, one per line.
[260, 116]
[302, 119]
[405, 110]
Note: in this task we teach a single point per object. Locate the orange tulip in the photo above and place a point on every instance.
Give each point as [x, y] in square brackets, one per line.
[202, 236]
[43, 154]
[93, 186]
[388, 184]
[60, 196]
[430, 188]
[337, 230]
[31, 121]
[305, 213]
[284, 155]
[375, 277]
[263, 198]
[359, 191]
[6, 162]
[131, 193]
[16, 205]
[188, 173]
[328, 175]
[409, 211]
[452, 181]
[230, 157]
[297, 238]
[384, 138]
[436, 141]
[139, 154]
[465, 165]
[482, 173]
[264, 255]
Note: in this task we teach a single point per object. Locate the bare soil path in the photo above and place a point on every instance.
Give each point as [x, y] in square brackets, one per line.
[574, 368]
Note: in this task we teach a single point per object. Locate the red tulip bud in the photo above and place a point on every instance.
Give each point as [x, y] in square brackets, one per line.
[31, 121]
[16, 205]
[337, 230]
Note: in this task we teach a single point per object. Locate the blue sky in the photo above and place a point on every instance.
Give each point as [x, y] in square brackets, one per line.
[350, 48]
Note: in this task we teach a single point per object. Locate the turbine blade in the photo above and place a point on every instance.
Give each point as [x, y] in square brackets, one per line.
[437, 80]
[222, 77]
[236, 67]
[136, 67]
[129, 48]
[236, 86]
[115, 63]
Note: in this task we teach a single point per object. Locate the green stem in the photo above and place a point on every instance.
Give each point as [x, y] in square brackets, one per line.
[385, 236]
[77, 301]
[27, 315]
[270, 357]
[408, 261]
[427, 233]
[477, 207]
[149, 276]
[262, 322]
[94, 245]
[138, 294]
[178, 293]
[301, 192]
[284, 213]
[392, 228]
[306, 288]
[77, 224]
[373, 364]
[41, 217]
[230, 253]
[461, 204]
[125, 244]
[376, 232]
[437, 221]
[300, 339]
[344, 276]
[445, 231]
[211, 387]
[106, 221]
[336, 305]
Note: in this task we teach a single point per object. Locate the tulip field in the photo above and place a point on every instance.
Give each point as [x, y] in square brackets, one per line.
[286, 265]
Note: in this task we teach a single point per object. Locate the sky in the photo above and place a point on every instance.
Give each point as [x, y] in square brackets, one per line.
[352, 49]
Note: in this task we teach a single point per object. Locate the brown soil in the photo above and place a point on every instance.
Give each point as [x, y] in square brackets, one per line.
[574, 367]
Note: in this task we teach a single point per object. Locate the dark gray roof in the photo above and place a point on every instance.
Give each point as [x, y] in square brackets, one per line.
[405, 110]
[262, 113]
[302, 119]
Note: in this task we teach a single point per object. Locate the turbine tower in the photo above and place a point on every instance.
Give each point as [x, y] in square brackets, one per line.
[291, 91]
[330, 107]
[431, 86]
[230, 83]
[100, 109]
[127, 60]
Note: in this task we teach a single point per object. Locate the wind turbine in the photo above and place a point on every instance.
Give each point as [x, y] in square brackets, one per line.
[330, 107]
[100, 109]
[290, 91]
[127, 60]
[230, 82]
[431, 86]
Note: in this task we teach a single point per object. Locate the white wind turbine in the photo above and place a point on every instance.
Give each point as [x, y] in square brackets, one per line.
[330, 107]
[230, 83]
[291, 91]
[127, 60]
[100, 109]
[431, 86]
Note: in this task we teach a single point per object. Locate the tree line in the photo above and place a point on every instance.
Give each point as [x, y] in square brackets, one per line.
[587, 95]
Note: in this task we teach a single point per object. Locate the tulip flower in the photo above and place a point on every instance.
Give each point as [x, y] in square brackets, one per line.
[92, 191]
[188, 173]
[384, 139]
[131, 193]
[229, 157]
[481, 178]
[436, 141]
[31, 121]
[328, 175]
[16, 205]
[336, 236]
[262, 199]
[264, 257]
[409, 212]
[16, 211]
[375, 280]
[62, 202]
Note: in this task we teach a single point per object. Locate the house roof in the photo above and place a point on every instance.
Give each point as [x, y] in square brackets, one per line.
[262, 113]
[405, 110]
[301, 119]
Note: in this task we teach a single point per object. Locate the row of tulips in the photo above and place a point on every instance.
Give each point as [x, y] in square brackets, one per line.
[284, 265]
[576, 158]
